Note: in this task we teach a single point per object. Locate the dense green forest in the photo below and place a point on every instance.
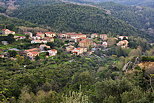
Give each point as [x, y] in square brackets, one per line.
[2, 10]
[65, 17]
[148, 3]
[75, 18]
[72, 79]
[112, 74]
[14, 22]
[139, 17]
[29, 3]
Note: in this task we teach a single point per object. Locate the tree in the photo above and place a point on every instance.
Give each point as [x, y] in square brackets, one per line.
[75, 97]
[37, 58]
[135, 96]
[40, 97]
[113, 88]
[11, 27]
[135, 52]
[12, 53]
[110, 99]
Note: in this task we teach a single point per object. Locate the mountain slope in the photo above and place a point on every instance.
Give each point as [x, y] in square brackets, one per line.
[29, 3]
[148, 3]
[140, 17]
[14, 21]
[75, 18]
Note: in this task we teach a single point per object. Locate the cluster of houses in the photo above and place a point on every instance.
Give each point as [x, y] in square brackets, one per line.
[78, 43]
[40, 37]
[32, 53]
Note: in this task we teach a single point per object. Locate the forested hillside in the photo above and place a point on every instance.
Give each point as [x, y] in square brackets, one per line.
[65, 17]
[53, 51]
[14, 22]
[75, 18]
[139, 17]
[127, 2]
[28, 3]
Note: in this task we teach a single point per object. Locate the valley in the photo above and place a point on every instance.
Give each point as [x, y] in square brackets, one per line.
[76, 51]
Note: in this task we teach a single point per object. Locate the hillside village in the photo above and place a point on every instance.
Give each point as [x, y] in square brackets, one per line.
[75, 43]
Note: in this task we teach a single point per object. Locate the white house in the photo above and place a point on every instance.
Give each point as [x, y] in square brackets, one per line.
[52, 52]
[7, 32]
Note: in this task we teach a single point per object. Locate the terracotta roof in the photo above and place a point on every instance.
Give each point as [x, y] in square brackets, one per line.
[85, 40]
[11, 31]
[78, 48]
[82, 38]
[73, 34]
[30, 50]
[35, 53]
[95, 34]
[5, 29]
[37, 40]
[54, 50]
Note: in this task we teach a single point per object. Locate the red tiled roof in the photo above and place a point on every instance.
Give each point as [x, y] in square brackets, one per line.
[95, 34]
[33, 49]
[82, 38]
[11, 31]
[54, 50]
[35, 53]
[4, 29]
[85, 40]
[78, 48]
[73, 34]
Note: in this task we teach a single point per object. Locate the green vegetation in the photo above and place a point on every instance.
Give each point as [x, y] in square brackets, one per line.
[75, 18]
[109, 75]
[148, 59]
[67, 78]
[29, 3]
[12, 23]
[2, 10]
[139, 17]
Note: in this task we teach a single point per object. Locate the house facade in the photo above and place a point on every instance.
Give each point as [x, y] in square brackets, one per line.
[103, 36]
[123, 37]
[52, 52]
[7, 32]
[32, 53]
[43, 46]
[63, 35]
[79, 51]
[94, 35]
[38, 41]
[86, 43]
[40, 34]
[123, 44]
[75, 36]
[50, 34]
[69, 48]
